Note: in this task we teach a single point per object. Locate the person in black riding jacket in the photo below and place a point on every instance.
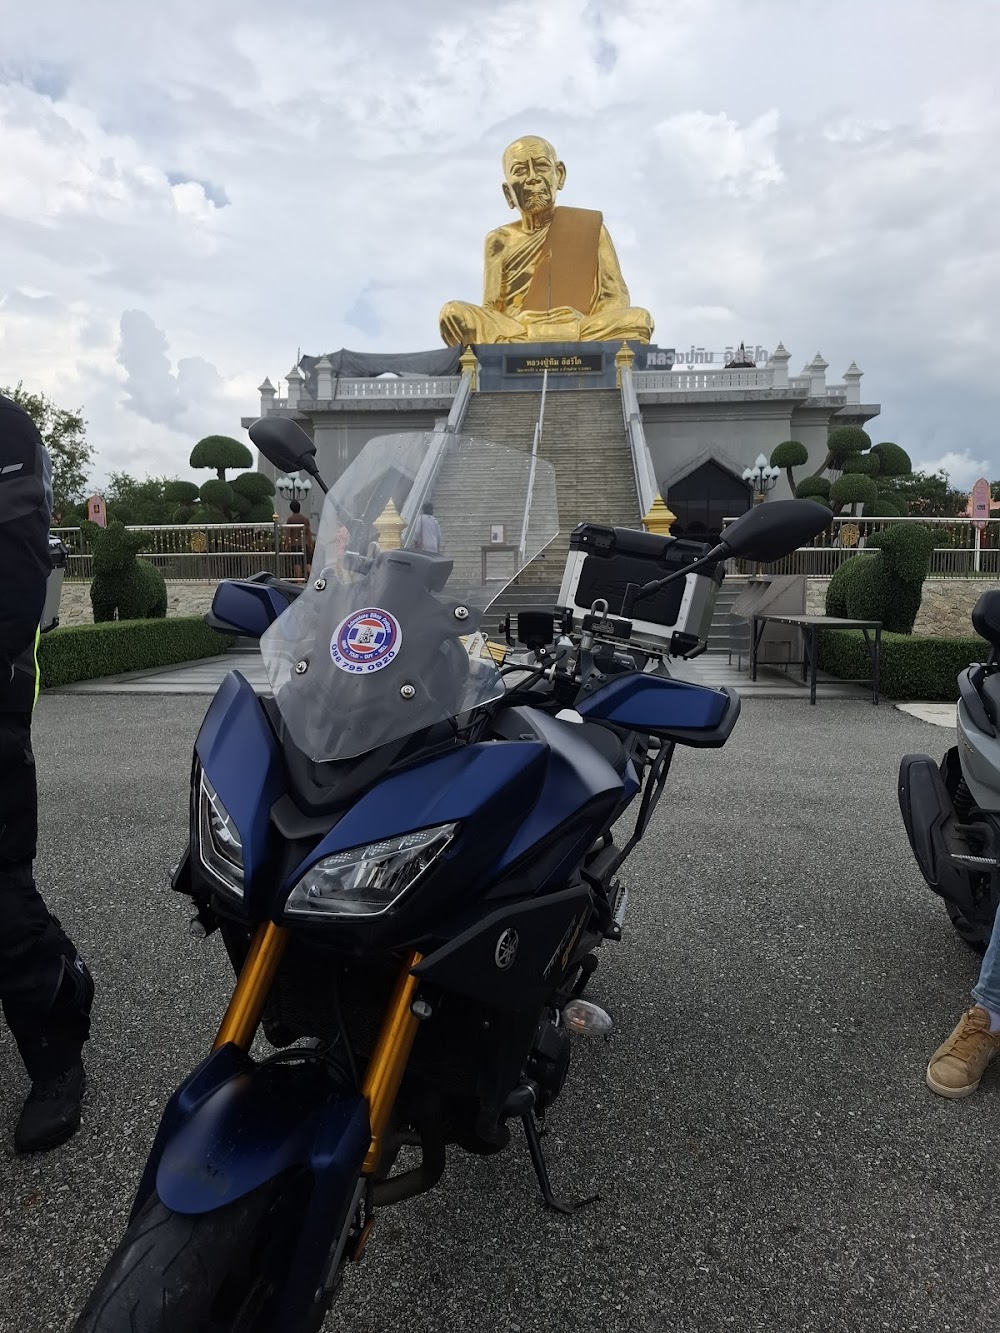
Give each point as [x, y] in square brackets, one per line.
[45, 988]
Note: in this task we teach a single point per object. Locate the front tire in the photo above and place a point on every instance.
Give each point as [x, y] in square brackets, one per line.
[208, 1273]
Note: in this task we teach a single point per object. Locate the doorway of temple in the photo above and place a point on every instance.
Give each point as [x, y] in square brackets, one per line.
[704, 499]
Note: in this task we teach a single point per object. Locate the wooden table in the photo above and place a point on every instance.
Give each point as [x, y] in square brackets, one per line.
[810, 627]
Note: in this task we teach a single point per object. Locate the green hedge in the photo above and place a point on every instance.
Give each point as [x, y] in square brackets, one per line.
[82, 652]
[911, 666]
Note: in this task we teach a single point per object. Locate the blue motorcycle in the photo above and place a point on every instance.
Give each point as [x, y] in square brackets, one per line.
[408, 849]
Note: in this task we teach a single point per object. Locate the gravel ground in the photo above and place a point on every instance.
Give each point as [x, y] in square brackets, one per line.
[767, 1154]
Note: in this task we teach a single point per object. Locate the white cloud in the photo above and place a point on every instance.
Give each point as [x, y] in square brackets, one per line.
[191, 191]
[962, 469]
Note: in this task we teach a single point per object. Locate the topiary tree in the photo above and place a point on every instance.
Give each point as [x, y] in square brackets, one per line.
[124, 588]
[182, 514]
[882, 508]
[893, 461]
[813, 488]
[180, 492]
[218, 495]
[852, 489]
[202, 514]
[865, 465]
[891, 505]
[220, 452]
[789, 454]
[254, 485]
[886, 585]
[841, 443]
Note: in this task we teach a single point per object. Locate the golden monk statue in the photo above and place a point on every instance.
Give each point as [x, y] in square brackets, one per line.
[553, 276]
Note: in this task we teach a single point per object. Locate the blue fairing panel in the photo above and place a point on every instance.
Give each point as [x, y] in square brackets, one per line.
[577, 778]
[488, 787]
[658, 705]
[238, 751]
[246, 607]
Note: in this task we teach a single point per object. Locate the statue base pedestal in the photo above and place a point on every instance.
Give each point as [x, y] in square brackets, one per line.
[571, 365]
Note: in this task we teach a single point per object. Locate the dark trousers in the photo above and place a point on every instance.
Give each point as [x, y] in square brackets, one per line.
[45, 988]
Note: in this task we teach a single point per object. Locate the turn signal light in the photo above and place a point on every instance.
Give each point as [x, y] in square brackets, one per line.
[589, 1020]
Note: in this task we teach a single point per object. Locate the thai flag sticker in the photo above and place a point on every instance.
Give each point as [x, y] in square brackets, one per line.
[366, 641]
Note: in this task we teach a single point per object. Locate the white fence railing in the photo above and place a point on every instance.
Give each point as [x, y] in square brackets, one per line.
[702, 381]
[441, 386]
[962, 549]
[642, 465]
[536, 440]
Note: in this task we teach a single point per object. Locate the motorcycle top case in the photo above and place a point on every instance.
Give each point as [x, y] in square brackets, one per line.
[603, 561]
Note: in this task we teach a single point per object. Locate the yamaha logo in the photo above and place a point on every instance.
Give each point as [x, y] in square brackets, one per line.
[506, 950]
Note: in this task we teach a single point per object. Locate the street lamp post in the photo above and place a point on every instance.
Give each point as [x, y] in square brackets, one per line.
[762, 478]
[293, 487]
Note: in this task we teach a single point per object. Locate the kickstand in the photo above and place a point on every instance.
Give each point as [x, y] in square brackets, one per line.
[542, 1171]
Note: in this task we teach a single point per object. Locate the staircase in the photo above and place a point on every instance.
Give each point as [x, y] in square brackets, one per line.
[729, 633]
[583, 437]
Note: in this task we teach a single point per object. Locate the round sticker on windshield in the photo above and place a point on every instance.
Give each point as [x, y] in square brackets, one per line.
[366, 641]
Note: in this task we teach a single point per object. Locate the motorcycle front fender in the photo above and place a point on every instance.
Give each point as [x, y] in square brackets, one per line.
[235, 1125]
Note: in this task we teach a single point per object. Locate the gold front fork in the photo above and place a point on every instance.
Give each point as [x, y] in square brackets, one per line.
[389, 1058]
[392, 1049]
[253, 987]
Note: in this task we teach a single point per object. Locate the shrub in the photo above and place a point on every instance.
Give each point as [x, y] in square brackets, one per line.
[813, 488]
[124, 588]
[180, 493]
[261, 512]
[894, 461]
[910, 666]
[218, 495]
[83, 652]
[852, 489]
[844, 441]
[886, 585]
[890, 505]
[866, 464]
[254, 485]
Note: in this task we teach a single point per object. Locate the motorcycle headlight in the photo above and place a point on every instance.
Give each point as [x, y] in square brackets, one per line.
[220, 848]
[367, 881]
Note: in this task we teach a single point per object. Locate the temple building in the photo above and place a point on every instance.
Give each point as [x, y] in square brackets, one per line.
[557, 349]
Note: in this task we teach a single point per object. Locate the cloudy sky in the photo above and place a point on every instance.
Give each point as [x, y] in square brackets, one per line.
[191, 191]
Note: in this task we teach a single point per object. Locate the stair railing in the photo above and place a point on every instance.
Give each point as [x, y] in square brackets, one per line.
[646, 487]
[423, 482]
[522, 544]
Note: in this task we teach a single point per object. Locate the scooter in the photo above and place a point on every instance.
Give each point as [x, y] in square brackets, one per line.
[951, 810]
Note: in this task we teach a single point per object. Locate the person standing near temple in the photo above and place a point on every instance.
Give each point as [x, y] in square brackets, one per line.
[45, 988]
[426, 535]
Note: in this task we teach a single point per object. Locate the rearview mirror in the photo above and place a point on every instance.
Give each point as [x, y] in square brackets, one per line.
[284, 443]
[775, 529]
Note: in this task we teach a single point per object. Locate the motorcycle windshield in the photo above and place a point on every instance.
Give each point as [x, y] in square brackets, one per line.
[417, 538]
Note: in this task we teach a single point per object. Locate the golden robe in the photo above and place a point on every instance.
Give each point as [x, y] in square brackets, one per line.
[559, 283]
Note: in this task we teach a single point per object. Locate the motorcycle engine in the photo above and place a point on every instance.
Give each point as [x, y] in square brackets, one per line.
[548, 1063]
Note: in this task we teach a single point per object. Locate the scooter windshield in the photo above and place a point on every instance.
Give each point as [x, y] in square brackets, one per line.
[417, 538]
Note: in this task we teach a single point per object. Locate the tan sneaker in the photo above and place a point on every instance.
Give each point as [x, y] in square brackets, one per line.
[957, 1065]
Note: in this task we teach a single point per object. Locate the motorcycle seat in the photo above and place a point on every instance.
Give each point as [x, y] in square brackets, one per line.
[986, 617]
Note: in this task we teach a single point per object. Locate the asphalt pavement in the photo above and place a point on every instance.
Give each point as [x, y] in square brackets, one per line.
[767, 1154]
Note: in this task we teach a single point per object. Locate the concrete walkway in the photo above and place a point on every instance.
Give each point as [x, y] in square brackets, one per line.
[201, 677]
[206, 675]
